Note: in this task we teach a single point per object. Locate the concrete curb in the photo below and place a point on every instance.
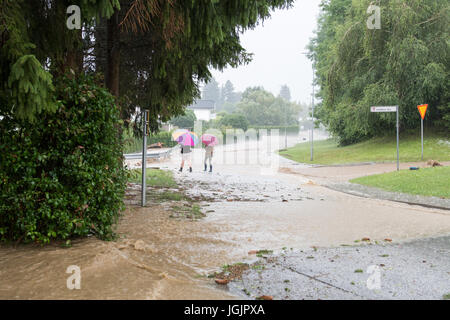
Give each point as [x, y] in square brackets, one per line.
[375, 193]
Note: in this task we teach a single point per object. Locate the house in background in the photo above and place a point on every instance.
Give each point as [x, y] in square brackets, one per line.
[204, 109]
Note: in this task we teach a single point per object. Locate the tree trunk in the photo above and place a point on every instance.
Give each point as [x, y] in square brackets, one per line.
[113, 54]
[74, 58]
[70, 58]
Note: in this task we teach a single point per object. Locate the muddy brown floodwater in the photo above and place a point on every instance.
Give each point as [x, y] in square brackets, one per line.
[156, 257]
[159, 257]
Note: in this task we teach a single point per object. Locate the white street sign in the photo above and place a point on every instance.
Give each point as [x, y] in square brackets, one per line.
[384, 109]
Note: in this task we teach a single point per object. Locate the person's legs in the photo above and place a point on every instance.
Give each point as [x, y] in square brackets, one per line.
[210, 163]
[182, 165]
[184, 157]
[206, 159]
[189, 162]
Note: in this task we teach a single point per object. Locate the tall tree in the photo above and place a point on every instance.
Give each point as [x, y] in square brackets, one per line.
[167, 48]
[262, 108]
[154, 53]
[113, 54]
[35, 46]
[229, 97]
[285, 93]
[211, 91]
[404, 63]
[228, 91]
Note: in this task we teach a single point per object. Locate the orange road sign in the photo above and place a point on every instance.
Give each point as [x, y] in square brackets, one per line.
[422, 109]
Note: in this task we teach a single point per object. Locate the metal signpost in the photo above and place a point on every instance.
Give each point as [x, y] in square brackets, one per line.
[144, 156]
[312, 115]
[390, 109]
[422, 110]
[285, 130]
[421, 137]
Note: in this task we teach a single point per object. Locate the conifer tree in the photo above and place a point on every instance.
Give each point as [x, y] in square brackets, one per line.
[35, 45]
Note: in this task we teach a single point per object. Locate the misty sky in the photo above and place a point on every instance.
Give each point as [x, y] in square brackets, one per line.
[277, 47]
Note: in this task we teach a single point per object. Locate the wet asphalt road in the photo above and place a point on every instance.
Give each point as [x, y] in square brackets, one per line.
[418, 269]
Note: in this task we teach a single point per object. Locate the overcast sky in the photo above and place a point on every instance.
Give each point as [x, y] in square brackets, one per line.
[277, 47]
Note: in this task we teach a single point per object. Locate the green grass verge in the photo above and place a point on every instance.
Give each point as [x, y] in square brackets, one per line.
[181, 205]
[426, 181]
[155, 178]
[382, 149]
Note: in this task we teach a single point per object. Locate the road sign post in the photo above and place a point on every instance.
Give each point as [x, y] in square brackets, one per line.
[391, 109]
[398, 142]
[144, 156]
[312, 132]
[422, 110]
[421, 136]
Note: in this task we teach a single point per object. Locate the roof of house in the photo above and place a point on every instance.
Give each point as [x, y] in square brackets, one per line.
[203, 104]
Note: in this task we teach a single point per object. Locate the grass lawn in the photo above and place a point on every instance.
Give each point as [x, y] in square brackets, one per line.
[426, 182]
[183, 205]
[155, 178]
[375, 150]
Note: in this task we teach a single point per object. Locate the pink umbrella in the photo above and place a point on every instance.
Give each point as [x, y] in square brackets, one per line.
[187, 139]
[209, 139]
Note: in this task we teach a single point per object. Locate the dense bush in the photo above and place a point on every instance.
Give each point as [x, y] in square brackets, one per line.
[164, 137]
[133, 144]
[289, 129]
[62, 176]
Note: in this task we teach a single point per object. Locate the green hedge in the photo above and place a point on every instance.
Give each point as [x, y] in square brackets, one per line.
[62, 176]
[163, 137]
[290, 129]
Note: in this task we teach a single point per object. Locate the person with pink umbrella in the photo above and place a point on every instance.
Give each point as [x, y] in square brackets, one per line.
[210, 141]
[186, 157]
[186, 140]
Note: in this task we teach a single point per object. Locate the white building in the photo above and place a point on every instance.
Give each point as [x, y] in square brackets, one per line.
[204, 109]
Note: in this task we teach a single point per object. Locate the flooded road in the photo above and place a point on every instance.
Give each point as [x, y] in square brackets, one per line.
[156, 257]
[252, 207]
